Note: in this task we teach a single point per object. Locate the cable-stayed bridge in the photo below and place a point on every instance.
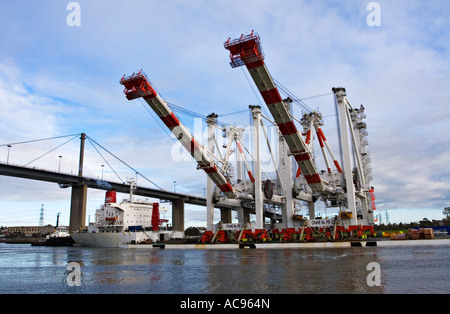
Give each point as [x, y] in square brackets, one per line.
[80, 184]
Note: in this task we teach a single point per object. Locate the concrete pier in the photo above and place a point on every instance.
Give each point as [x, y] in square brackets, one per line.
[78, 207]
[178, 217]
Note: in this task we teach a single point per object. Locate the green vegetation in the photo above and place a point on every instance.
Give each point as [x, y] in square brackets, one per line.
[424, 223]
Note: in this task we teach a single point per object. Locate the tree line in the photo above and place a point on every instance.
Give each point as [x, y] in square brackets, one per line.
[424, 223]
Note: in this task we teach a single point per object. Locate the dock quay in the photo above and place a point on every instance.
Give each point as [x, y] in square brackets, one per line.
[308, 245]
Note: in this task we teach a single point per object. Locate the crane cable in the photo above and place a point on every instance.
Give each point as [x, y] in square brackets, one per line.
[296, 100]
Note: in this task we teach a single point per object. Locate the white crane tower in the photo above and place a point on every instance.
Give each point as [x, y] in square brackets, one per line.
[344, 185]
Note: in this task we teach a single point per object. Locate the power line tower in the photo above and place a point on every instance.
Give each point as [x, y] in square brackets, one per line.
[41, 217]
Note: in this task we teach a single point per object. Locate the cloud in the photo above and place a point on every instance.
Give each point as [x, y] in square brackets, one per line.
[22, 112]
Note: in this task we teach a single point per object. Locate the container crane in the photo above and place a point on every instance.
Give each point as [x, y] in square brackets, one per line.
[247, 51]
[138, 85]
[338, 186]
[340, 189]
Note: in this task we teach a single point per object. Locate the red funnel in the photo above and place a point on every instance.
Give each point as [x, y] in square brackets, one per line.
[155, 217]
[110, 197]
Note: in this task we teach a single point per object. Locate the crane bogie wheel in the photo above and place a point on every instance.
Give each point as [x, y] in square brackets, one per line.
[268, 189]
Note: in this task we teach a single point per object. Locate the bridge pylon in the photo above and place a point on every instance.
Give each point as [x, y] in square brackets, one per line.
[79, 196]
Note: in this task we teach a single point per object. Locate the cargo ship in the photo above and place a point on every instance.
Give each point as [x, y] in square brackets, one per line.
[131, 221]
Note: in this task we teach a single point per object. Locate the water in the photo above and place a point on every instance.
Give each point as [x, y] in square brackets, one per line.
[412, 269]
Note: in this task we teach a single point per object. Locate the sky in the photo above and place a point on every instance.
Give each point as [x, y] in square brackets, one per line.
[60, 79]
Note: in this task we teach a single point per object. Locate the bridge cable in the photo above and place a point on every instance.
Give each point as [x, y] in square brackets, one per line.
[43, 139]
[104, 159]
[137, 172]
[51, 149]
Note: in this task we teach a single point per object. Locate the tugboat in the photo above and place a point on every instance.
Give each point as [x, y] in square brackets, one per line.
[59, 237]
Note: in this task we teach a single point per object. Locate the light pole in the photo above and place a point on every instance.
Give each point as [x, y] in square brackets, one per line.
[103, 166]
[59, 166]
[7, 158]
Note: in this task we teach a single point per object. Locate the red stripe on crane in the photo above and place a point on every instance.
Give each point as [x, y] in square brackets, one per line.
[194, 146]
[287, 128]
[191, 146]
[149, 96]
[302, 157]
[170, 121]
[319, 130]
[239, 147]
[338, 167]
[255, 64]
[271, 96]
[313, 178]
[251, 176]
[225, 187]
[308, 137]
[319, 136]
[209, 169]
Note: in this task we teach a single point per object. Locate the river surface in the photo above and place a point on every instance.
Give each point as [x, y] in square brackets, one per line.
[410, 269]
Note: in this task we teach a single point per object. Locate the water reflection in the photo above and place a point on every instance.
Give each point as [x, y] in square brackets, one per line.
[290, 271]
[26, 269]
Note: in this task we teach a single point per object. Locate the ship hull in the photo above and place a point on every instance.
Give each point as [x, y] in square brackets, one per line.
[110, 239]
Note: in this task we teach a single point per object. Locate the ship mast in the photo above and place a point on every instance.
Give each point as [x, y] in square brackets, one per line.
[132, 183]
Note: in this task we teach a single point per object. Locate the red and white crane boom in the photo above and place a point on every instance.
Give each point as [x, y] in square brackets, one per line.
[247, 51]
[138, 85]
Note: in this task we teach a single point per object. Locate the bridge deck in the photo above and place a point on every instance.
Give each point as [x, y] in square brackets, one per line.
[68, 180]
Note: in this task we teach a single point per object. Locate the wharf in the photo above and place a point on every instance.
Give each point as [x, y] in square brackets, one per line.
[307, 245]
[21, 240]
